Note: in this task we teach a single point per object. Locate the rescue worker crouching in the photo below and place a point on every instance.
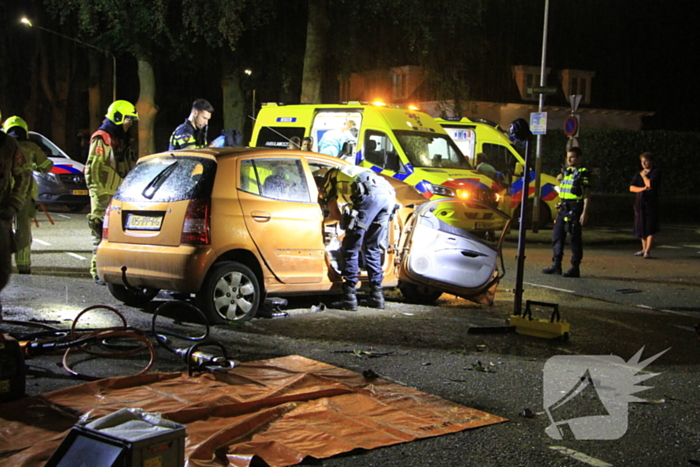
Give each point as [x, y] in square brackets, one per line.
[35, 159]
[574, 193]
[369, 202]
[110, 159]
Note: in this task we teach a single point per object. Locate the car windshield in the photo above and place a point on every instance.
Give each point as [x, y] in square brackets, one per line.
[432, 150]
[168, 179]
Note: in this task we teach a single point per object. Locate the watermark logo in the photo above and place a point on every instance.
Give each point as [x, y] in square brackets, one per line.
[586, 396]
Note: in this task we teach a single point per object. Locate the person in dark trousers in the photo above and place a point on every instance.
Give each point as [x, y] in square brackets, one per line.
[646, 184]
[369, 202]
[192, 134]
[574, 192]
[14, 181]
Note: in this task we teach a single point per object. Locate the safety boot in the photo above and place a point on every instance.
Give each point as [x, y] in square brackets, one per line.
[376, 297]
[573, 271]
[555, 268]
[348, 301]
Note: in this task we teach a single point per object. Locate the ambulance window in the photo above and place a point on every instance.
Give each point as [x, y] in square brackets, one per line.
[379, 150]
[278, 137]
[499, 157]
[432, 150]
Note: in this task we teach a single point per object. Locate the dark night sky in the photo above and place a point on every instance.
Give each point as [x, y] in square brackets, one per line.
[643, 53]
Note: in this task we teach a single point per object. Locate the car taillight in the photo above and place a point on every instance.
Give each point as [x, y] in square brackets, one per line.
[195, 228]
[105, 222]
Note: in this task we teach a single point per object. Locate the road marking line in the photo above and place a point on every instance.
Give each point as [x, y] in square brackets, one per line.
[41, 242]
[671, 247]
[81, 258]
[548, 287]
[64, 216]
[692, 246]
[579, 456]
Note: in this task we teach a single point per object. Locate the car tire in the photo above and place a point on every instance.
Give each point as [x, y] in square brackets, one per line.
[132, 297]
[230, 292]
[419, 294]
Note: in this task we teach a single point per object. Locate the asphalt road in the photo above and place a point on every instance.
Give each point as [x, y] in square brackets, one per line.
[621, 305]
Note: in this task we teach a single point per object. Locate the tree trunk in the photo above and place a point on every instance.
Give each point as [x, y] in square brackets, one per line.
[234, 105]
[57, 69]
[315, 54]
[146, 106]
[95, 107]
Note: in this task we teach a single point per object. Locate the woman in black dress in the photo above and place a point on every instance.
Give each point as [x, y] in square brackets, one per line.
[646, 184]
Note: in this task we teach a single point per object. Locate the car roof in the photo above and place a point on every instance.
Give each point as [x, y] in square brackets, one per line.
[217, 153]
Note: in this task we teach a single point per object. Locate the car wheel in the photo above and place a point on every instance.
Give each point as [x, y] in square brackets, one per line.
[419, 294]
[131, 297]
[230, 292]
[76, 207]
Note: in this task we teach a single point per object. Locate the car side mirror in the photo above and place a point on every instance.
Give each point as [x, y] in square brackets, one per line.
[519, 169]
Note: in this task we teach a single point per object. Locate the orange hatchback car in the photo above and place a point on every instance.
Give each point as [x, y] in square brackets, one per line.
[235, 225]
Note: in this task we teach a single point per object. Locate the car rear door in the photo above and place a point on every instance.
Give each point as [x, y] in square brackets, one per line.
[283, 217]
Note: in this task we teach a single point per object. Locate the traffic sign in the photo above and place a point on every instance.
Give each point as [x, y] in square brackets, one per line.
[538, 123]
[548, 90]
[571, 125]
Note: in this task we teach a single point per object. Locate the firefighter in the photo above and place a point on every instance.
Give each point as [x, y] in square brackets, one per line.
[35, 159]
[369, 202]
[192, 134]
[110, 158]
[14, 180]
[574, 191]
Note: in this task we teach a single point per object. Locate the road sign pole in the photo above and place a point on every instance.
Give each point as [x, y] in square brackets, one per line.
[538, 153]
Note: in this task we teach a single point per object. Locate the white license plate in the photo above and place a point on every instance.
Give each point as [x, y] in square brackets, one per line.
[136, 222]
[79, 192]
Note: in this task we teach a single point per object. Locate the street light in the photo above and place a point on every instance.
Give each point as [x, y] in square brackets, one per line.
[28, 23]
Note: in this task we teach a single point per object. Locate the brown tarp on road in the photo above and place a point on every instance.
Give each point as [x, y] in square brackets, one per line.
[280, 410]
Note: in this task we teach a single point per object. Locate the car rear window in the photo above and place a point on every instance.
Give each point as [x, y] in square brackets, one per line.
[282, 179]
[168, 179]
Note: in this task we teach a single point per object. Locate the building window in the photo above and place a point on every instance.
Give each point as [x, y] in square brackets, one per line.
[577, 82]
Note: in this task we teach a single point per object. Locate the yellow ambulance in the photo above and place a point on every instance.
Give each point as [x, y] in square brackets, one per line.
[402, 143]
[481, 139]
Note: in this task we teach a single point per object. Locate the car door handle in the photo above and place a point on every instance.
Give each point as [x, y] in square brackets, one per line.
[261, 216]
[472, 253]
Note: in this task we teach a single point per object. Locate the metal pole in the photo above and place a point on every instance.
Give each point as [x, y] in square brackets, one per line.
[520, 268]
[538, 153]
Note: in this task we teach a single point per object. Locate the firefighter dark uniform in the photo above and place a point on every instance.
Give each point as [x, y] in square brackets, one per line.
[35, 160]
[14, 180]
[572, 192]
[109, 160]
[186, 136]
[370, 203]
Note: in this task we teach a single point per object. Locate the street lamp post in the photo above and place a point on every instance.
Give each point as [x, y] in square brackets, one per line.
[28, 23]
[249, 72]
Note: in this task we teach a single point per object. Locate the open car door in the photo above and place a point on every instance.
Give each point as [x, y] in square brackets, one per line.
[436, 252]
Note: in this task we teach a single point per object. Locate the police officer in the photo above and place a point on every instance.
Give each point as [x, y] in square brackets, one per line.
[369, 203]
[35, 159]
[14, 180]
[574, 191]
[110, 158]
[193, 133]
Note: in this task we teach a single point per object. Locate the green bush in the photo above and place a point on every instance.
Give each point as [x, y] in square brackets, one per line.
[612, 156]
